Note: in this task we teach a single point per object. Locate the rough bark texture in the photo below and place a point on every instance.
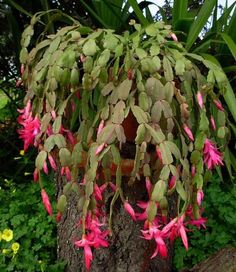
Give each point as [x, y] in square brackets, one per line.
[127, 252]
[222, 261]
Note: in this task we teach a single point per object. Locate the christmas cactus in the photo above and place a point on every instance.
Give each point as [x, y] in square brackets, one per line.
[83, 86]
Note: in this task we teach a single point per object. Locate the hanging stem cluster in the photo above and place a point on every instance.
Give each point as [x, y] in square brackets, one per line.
[82, 88]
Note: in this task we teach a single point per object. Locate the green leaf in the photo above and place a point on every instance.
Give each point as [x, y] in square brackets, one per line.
[49, 143]
[174, 149]
[104, 58]
[168, 72]
[61, 203]
[179, 10]
[180, 190]
[90, 48]
[157, 134]
[200, 21]
[65, 157]
[57, 125]
[139, 114]
[165, 173]
[166, 153]
[151, 210]
[230, 43]
[40, 159]
[107, 88]
[124, 88]
[159, 190]
[59, 140]
[140, 134]
[118, 115]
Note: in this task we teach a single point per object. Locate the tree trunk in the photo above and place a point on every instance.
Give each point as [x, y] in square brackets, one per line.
[127, 252]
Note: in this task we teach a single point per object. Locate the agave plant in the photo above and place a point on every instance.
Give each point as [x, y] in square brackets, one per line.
[83, 86]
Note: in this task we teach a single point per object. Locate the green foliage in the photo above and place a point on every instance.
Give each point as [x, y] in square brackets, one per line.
[22, 211]
[219, 207]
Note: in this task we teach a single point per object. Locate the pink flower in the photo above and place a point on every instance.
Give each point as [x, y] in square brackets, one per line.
[99, 149]
[68, 173]
[97, 192]
[53, 113]
[198, 222]
[172, 182]
[200, 99]
[174, 37]
[193, 170]
[148, 185]
[36, 175]
[46, 202]
[58, 217]
[212, 156]
[22, 69]
[200, 196]
[213, 124]
[130, 210]
[218, 105]
[45, 168]
[31, 126]
[52, 162]
[65, 170]
[188, 132]
[176, 228]
[112, 186]
[100, 127]
[88, 255]
[159, 156]
[154, 233]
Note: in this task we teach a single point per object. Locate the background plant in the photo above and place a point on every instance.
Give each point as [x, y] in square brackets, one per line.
[22, 212]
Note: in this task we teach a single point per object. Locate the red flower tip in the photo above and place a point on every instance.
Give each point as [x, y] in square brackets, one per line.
[46, 202]
[130, 210]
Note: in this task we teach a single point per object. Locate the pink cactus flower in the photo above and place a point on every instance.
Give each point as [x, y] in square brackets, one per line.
[200, 196]
[193, 170]
[88, 255]
[176, 228]
[218, 105]
[213, 124]
[99, 149]
[97, 193]
[45, 168]
[130, 210]
[148, 185]
[31, 126]
[52, 162]
[112, 186]
[68, 173]
[200, 222]
[212, 156]
[174, 37]
[100, 127]
[154, 233]
[46, 202]
[188, 132]
[172, 182]
[53, 113]
[200, 99]
[58, 217]
[36, 175]
[65, 170]
[22, 69]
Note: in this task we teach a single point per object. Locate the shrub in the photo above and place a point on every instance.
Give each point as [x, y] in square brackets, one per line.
[23, 213]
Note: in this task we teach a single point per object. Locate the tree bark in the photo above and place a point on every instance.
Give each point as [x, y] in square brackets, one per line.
[128, 252]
